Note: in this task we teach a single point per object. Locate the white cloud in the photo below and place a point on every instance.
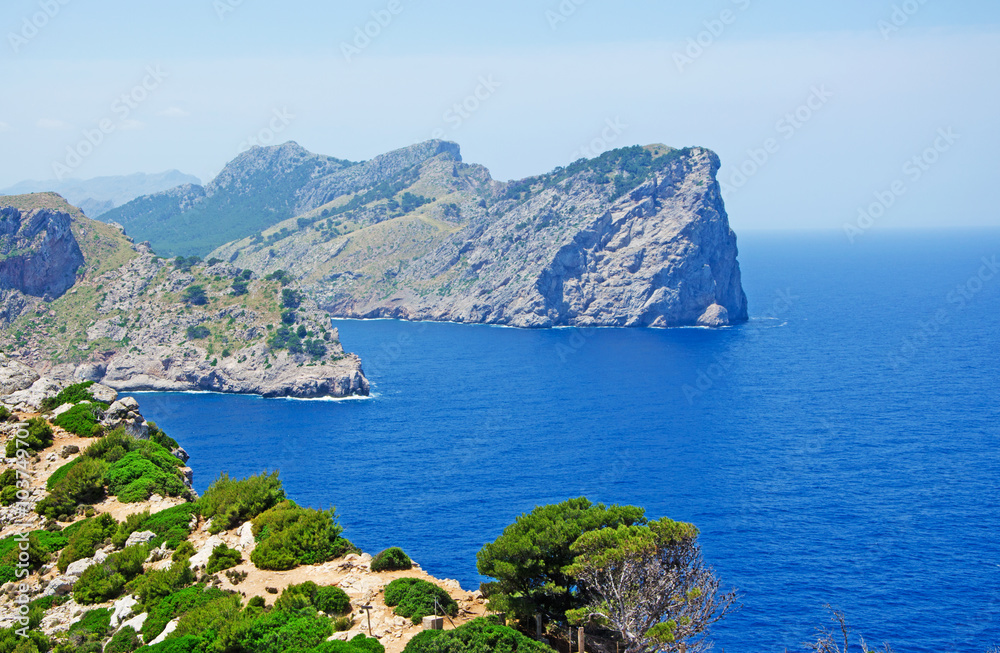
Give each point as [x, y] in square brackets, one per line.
[53, 125]
[174, 112]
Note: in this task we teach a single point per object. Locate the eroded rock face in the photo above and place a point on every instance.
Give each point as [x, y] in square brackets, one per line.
[39, 255]
[15, 376]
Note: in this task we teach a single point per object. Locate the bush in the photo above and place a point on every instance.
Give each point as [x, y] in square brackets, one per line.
[41, 544]
[482, 634]
[39, 437]
[290, 298]
[414, 598]
[84, 539]
[161, 438]
[126, 640]
[239, 288]
[138, 476]
[94, 622]
[163, 610]
[11, 641]
[198, 332]
[83, 420]
[183, 552]
[289, 536]
[58, 475]
[5, 414]
[156, 584]
[74, 394]
[195, 295]
[83, 483]
[392, 559]
[359, 644]
[329, 599]
[223, 557]
[8, 495]
[229, 503]
[105, 581]
[172, 526]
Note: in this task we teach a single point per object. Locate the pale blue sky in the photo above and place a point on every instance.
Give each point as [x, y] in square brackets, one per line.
[229, 71]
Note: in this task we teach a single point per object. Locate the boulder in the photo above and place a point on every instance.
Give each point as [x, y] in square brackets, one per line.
[77, 567]
[62, 409]
[170, 627]
[180, 454]
[137, 621]
[69, 450]
[714, 316]
[15, 376]
[125, 413]
[33, 396]
[59, 586]
[91, 372]
[200, 559]
[139, 537]
[123, 609]
[103, 393]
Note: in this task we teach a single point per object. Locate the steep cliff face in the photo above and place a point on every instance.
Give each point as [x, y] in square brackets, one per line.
[636, 237]
[39, 255]
[138, 322]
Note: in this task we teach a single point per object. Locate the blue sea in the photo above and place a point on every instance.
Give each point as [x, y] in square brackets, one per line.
[842, 448]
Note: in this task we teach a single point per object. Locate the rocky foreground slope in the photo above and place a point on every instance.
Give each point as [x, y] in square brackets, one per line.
[81, 301]
[63, 608]
[636, 237]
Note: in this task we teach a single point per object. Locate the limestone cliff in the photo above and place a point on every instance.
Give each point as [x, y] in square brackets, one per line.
[636, 237]
[135, 321]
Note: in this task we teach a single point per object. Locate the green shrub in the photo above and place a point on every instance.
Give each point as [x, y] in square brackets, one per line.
[5, 414]
[126, 640]
[229, 503]
[8, 495]
[105, 581]
[163, 610]
[74, 394]
[82, 419]
[41, 544]
[482, 634]
[172, 526]
[12, 642]
[359, 644]
[195, 294]
[329, 599]
[83, 483]
[223, 557]
[156, 584]
[289, 536]
[211, 619]
[159, 437]
[60, 473]
[136, 477]
[186, 644]
[276, 631]
[392, 559]
[94, 622]
[39, 437]
[84, 540]
[414, 598]
[8, 478]
[198, 332]
[183, 552]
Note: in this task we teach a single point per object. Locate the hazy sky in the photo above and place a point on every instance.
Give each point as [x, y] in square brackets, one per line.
[817, 109]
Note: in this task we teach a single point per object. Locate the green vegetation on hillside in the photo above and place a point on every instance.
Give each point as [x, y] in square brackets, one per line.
[416, 598]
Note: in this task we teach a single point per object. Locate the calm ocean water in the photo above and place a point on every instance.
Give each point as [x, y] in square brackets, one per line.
[842, 448]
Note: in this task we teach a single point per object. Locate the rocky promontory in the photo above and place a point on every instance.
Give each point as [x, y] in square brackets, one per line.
[135, 321]
[637, 237]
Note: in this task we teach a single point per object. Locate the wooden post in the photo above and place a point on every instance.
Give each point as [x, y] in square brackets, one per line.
[579, 639]
[538, 626]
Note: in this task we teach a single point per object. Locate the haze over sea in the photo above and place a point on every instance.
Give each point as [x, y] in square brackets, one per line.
[841, 448]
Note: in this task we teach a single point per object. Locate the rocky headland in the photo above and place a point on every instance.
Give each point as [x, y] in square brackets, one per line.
[81, 301]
